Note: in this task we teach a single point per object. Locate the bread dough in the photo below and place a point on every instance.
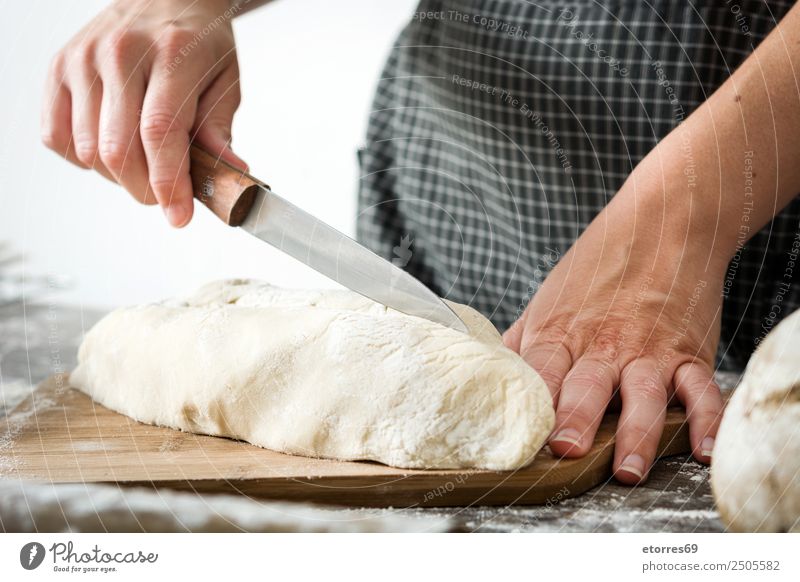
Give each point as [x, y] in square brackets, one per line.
[755, 468]
[321, 374]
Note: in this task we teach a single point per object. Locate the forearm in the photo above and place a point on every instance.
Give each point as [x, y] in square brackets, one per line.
[733, 164]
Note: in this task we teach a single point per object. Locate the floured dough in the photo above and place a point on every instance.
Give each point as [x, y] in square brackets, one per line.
[322, 374]
[755, 468]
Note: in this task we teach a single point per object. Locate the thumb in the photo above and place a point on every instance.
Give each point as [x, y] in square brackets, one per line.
[215, 110]
[512, 337]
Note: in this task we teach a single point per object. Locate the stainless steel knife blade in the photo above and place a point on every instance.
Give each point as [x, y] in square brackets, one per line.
[337, 256]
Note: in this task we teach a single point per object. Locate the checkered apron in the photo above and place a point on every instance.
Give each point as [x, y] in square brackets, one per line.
[501, 128]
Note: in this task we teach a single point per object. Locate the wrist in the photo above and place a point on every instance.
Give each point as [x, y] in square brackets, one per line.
[678, 210]
[660, 225]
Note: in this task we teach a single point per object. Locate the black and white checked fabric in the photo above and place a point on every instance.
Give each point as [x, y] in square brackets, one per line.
[501, 128]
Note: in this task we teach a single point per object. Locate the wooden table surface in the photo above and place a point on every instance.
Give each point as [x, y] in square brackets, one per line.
[37, 341]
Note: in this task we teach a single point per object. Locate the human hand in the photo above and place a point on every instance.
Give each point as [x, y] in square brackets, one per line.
[630, 316]
[130, 91]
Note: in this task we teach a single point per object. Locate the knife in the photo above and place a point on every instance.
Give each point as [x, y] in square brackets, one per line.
[239, 199]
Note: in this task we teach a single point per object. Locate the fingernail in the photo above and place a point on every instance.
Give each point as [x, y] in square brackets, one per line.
[633, 464]
[176, 214]
[568, 435]
[707, 447]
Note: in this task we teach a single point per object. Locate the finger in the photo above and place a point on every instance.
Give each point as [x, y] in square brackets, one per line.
[641, 422]
[700, 395]
[549, 357]
[215, 111]
[87, 93]
[56, 125]
[584, 397]
[168, 113]
[512, 337]
[120, 145]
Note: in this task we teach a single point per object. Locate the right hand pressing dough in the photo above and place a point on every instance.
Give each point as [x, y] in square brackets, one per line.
[322, 374]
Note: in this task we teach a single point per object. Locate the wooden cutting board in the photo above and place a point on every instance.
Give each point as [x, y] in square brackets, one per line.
[60, 435]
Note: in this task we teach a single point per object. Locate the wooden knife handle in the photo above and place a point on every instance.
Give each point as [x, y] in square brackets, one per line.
[227, 192]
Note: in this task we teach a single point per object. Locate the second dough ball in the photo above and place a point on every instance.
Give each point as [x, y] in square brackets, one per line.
[755, 471]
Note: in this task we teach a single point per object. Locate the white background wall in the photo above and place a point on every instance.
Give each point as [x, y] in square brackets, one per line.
[308, 70]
